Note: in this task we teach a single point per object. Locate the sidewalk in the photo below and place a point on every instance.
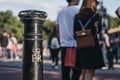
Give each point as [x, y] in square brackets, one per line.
[55, 74]
[100, 74]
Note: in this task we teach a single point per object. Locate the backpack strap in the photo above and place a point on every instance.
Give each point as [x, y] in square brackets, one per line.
[86, 24]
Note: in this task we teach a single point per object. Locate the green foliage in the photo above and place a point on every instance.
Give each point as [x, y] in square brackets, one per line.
[114, 22]
[47, 28]
[10, 23]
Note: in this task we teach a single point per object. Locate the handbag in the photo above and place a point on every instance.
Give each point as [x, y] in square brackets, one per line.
[14, 48]
[84, 37]
[70, 57]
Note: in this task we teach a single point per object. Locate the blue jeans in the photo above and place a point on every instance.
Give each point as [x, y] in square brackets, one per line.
[4, 51]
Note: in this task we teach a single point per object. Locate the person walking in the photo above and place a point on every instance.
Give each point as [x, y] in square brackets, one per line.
[54, 49]
[114, 46]
[10, 55]
[14, 46]
[64, 28]
[89, 58]
[109, 49]
[4, 43]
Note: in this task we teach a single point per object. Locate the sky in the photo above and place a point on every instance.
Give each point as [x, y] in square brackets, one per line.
[51, 7]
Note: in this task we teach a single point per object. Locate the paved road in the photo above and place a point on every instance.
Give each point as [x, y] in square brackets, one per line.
[101, 74]
[11, 70]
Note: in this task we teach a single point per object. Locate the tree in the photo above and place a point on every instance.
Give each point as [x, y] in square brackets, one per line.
[114, 22]
[47, 28]
[10, 23]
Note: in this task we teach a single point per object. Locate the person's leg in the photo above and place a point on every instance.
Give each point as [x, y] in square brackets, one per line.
[116, 55]
[77, 69]
[11, 55]
[4, 51]
[82, 76]
[56, 56]
[14, 56]
[52, 57]
[76, 73]
[89, 73]
[8, 53]
[110, 60]
[65, 70]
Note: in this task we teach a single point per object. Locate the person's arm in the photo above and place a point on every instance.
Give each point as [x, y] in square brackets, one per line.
[57, 31]
[97, 24]
[107, 42]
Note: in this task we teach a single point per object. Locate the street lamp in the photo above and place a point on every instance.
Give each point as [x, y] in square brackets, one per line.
[118, 12]
[105, 17]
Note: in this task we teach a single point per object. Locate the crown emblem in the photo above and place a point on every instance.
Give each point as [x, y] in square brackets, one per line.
[36, 50]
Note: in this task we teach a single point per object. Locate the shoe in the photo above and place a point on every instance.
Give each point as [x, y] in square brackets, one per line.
[11, 59]
[111, 68]
[53, 64]
[56, 67]
[17, 58]
[116, 61]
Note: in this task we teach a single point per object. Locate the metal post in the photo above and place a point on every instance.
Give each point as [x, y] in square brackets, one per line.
[118, 12]
[32, 53]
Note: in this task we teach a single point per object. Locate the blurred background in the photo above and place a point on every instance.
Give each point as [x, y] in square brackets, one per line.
[10, 69]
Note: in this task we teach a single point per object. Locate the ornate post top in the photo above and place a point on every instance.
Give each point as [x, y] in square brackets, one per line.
[32, 15]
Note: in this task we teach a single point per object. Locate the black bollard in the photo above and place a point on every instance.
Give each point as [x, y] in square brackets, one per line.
[32, 68]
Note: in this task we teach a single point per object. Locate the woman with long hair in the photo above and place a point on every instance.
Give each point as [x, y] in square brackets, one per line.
[89, 58]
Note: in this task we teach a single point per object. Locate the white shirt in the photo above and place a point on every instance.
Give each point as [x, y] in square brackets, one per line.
[9, 44]
[54, 43]
[14, 40]
[65, 20]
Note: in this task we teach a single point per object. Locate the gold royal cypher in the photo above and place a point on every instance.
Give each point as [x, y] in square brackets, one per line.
[36, 57]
